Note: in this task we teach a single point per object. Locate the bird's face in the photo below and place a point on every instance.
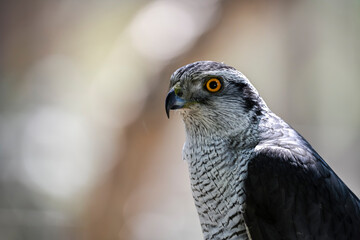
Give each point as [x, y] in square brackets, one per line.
[213, 95]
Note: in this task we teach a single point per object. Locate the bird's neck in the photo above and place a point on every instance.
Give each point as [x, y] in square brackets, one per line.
[278, 135]
[225, 131]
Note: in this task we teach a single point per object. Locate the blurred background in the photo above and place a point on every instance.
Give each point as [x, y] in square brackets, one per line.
[86, 150]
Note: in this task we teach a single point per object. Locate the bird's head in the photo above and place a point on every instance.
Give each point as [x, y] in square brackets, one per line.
[213, 97]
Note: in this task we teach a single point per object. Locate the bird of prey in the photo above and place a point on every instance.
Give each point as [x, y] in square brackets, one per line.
[252, 175]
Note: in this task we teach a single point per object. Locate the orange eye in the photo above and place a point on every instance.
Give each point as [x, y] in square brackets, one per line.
[213, 85]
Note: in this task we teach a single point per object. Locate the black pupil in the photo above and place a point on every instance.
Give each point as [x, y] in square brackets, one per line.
[213, 84]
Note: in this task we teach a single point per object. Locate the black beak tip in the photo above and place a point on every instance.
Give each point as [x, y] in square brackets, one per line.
[167, 112]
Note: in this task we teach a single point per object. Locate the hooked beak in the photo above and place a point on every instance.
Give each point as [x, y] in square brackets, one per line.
[173, 102]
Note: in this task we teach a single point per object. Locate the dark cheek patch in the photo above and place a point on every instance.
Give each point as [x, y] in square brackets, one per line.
[250, 101]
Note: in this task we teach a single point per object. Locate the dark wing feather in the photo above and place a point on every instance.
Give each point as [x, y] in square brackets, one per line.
[298, 197]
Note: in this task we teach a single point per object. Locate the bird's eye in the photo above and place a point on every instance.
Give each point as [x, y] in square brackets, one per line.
[213, 85]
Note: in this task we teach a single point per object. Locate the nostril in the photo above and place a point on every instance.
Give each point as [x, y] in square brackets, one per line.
[179, 93]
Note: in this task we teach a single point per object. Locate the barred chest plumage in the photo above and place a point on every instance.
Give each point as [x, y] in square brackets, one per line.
[217, 174]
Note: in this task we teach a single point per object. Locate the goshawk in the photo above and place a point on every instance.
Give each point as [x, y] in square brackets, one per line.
[252, 175]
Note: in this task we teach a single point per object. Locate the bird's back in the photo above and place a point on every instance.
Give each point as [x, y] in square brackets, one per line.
[293, 194]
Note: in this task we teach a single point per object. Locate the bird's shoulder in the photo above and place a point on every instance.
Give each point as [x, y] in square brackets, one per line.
[292, 192]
